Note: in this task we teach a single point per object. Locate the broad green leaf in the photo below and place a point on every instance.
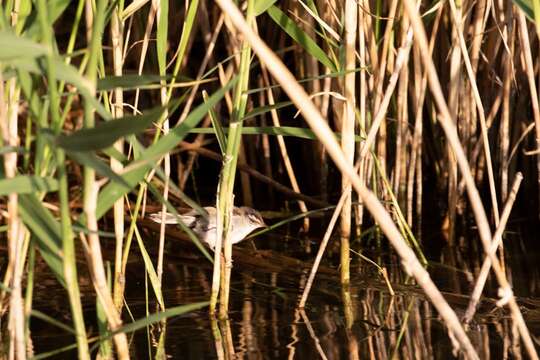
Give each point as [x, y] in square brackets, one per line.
[300, 36]
[18, 47]
[154, 280]
[262, 5]
[133, 81]
[218, 128]
[45, 231]
[147, 159]
[161, 35]
[90, 159]
[55, 8]
[27, 184]
[107, 133]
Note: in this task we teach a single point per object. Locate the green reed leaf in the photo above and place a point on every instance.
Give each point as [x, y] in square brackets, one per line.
[262, 5]
[300, 36]
[46, 232]
[27, 184]
[107, 133]
[18, 47]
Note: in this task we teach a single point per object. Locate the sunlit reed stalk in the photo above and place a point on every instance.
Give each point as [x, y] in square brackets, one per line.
[226, 182]
[16, 320]
[362, 106]
[162, 31]
[91, 189]
[117, 36]
[325, 135]
[347, 134]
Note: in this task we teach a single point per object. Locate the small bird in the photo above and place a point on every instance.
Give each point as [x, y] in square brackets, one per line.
[244, 221]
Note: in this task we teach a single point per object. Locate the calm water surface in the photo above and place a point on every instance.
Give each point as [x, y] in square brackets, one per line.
[265, 324]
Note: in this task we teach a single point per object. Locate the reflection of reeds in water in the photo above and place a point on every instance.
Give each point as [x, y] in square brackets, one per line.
[418, 108]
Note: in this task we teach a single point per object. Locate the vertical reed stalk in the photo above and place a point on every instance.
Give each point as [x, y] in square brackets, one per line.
[225, 194]
[454, 90]
[347, 133]
[91, 189]
[162, 25]
[16, 322]
[359, 214]
[117, 37]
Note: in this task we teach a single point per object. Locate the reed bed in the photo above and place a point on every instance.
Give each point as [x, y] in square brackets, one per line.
[398, 112]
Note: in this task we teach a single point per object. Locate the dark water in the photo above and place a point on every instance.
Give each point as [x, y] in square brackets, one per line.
[265, 324]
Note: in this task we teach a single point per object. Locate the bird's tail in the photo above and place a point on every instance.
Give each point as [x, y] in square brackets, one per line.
[169, 218]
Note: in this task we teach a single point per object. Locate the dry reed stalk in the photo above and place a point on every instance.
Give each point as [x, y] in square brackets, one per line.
[379, 81]
[97, 269]
[347, 133]
[496, 243]
[90, 196]
[325, 135]
[401, 120]
[508, 31]
[322, 248]
[282, 146]
[477, 29]
[475, 201]
[362, 60]
[15, 233]
[117, 36]
[167, 157]
[367, 28]
[265, 143]
[505, 116]
[454, 88]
